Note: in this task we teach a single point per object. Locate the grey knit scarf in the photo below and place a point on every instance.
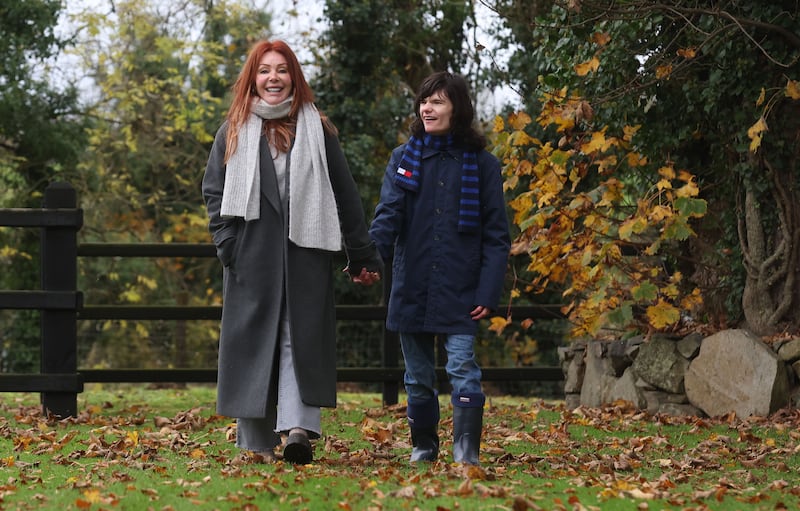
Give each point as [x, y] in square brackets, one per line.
[313, 217]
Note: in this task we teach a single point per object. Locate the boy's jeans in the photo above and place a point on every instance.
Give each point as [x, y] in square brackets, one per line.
[420, 361]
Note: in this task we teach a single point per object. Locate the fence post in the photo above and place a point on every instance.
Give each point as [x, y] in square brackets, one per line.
[59, 272]
[391, 343]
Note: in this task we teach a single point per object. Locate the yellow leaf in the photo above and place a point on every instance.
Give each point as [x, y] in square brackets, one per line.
[685, 176]
[755, 143]
[132, 296]
[498, 324]
[601, 38]
[587, 67]
[755, 133]
[690, 189]
[667, 172]
[607, 164]
[662, 314]
[630, 227]
[499, 125]
[597, 143]
[612, 191]
[520, 138]
[663, 71]
[519, 120]
[687, 53]
[692, 301]
[761, 97]
[523, 203]
[759, 127]
[147, 282]
[636, 160]
[793, 89]
[629, 132]
[664, 184]
[659, 213]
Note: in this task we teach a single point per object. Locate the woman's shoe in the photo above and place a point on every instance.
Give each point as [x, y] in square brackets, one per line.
[298, 449]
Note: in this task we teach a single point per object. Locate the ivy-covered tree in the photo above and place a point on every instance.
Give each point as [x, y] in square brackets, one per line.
[713, 87]
[40, 129]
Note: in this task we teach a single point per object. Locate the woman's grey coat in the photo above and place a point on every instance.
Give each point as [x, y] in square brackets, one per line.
[263, 271]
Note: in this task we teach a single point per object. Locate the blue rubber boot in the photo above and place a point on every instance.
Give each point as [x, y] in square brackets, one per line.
[423, 419]
[467, 427]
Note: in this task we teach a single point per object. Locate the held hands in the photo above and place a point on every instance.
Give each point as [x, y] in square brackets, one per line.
[480, 312]
[366, 278]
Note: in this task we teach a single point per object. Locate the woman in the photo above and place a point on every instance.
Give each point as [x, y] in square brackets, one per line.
[281, 202]
[442, 218]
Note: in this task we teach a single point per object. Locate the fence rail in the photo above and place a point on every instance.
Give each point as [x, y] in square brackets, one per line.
[61, 306]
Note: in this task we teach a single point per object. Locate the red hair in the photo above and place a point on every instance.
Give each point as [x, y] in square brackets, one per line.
[243, 93]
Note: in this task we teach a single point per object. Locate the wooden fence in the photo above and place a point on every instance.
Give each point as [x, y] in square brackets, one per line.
[61, 307]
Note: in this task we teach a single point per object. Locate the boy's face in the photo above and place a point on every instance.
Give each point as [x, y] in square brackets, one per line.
[436, 112]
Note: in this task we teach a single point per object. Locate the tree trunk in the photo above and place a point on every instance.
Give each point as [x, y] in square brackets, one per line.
[770, 256]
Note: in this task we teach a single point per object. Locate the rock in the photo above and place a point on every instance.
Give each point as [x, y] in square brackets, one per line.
[796, 370]
[689, 346]
[572, 401]
[659, 364]
[790, 350]
[736, 372]
[654, 399]
[616, 352]
[625, 389]
[573, 366]
[599, 375]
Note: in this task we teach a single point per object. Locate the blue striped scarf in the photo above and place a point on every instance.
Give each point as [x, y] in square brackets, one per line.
[408, 174]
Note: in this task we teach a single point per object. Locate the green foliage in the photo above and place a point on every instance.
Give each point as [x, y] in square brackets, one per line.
[40, 138]
[39, 132]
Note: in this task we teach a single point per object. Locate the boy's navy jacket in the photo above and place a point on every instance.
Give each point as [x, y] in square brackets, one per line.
[440, 274]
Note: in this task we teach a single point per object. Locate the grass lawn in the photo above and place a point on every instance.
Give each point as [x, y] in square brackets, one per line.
[132, 448]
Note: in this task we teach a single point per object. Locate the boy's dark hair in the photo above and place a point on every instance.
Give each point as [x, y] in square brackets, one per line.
[455, 88]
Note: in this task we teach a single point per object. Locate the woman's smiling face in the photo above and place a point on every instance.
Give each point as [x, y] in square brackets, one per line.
[273, 81]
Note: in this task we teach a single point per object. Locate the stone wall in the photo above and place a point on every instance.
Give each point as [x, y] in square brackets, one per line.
[732, 371]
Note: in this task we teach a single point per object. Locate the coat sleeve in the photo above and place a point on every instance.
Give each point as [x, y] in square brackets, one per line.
[222, 229]
[390, 210]
[495, 239]
[359, 247]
